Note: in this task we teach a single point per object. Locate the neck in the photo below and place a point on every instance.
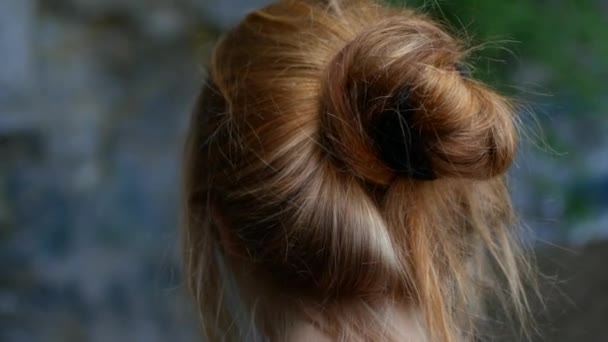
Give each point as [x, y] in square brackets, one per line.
[401, 324]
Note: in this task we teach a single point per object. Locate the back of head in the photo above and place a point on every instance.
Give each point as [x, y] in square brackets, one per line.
[340, 159]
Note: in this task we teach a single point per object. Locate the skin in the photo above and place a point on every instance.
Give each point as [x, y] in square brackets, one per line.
[405, 320]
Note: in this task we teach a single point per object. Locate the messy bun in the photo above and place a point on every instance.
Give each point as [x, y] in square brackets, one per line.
[399, 80]
[339, 160]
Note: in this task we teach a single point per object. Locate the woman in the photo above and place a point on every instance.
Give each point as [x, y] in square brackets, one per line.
[344, 181]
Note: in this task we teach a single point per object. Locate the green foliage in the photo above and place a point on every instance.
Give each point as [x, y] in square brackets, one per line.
[565, 39]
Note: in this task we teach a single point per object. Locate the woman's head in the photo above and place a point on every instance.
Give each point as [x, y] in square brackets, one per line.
[340, 159]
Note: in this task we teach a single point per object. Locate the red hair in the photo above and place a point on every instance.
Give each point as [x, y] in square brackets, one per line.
[339, 159]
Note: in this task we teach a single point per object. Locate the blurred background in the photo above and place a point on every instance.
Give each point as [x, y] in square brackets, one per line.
[94, 103]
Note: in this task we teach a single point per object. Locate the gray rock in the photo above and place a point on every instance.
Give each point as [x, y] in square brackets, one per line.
[17, 44]
[225, 13]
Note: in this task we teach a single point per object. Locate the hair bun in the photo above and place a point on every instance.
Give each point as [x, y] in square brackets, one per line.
[397, 102]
